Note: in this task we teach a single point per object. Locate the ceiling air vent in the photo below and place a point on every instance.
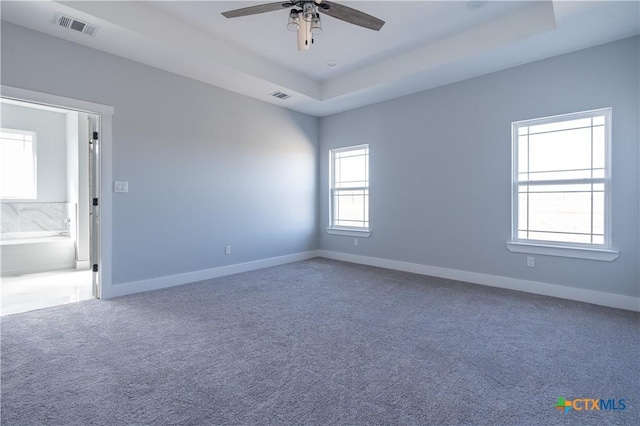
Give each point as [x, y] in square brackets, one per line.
[76, 25]
[280, 95]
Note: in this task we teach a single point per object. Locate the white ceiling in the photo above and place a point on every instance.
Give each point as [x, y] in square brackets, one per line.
[423, 44]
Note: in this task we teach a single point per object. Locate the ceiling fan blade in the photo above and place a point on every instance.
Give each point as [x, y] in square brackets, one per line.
[253, 10]
[352, 16]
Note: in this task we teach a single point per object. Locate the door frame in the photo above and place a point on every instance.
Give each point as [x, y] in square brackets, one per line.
[105, 173]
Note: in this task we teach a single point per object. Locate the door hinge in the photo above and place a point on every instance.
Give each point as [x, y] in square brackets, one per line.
[95, 136]
[95, 267]
[95, 201]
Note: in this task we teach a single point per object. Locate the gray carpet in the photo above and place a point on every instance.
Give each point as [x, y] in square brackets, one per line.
[319, 342]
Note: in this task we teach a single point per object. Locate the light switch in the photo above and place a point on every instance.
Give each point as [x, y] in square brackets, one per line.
[121, 186]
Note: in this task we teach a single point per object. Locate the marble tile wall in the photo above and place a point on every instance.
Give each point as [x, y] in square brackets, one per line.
[26, 218]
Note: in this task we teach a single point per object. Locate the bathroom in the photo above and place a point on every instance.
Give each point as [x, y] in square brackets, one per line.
[44, 198]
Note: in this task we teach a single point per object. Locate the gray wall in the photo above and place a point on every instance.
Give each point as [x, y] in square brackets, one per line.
[206, 167]
[51, 140]
[440, 167]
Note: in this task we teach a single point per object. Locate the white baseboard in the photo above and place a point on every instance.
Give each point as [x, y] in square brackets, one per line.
[563, 292]
[117, 290]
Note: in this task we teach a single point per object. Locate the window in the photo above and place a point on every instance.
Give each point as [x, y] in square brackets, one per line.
[561, 181]
[18, 160]
[350, 190]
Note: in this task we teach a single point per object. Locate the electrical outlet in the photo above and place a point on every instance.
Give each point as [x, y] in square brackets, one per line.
[227, 250]
[531, 261]
[355, 241]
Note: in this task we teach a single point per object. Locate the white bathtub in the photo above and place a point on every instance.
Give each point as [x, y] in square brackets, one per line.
[19, 256]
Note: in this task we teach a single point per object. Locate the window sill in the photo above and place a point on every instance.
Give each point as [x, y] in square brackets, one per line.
[574, 252]
[361, 233]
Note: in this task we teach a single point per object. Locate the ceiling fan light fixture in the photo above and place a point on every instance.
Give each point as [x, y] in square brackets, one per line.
[309, 11]
[316, 25]
[294, 21]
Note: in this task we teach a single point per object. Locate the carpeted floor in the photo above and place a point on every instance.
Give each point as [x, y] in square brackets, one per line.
[320, 342]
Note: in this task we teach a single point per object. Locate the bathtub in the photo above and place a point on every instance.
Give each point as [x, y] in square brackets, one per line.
[41, 252]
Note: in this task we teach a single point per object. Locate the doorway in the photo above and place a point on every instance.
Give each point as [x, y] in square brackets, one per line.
[49, 195]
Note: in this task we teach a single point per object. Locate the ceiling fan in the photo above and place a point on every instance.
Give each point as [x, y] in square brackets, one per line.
[304, 17]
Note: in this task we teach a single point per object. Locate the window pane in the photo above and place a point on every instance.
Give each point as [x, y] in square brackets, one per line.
[565, 150]
[598, 148]
[366, 211]
[17, 161]
[522, 211]
[350, 206]
[598, 213]
[523, 154]
[352, 171]
[560, 212]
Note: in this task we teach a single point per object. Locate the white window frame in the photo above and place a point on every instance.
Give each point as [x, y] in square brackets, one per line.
[564, 249]
[34, 142]
[352, 231]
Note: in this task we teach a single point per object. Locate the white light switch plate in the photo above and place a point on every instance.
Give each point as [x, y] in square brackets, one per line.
[121, 186]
